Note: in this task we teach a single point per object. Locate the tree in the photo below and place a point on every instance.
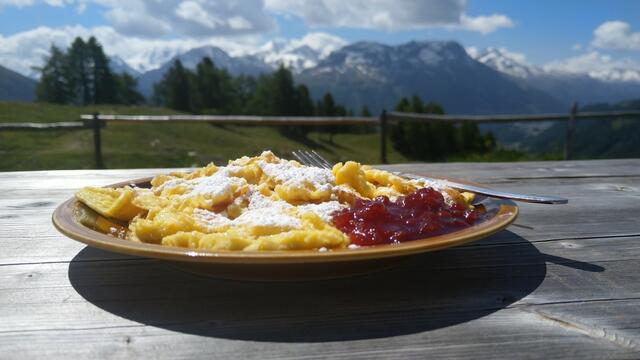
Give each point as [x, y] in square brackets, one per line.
[126, 92]
[174, 91]
[101, 81]
[79, 77]
[438, 140]
[305, 104]
[213, 89]
[283, 99]
[54, 78]
[328, 107]
[365, 111]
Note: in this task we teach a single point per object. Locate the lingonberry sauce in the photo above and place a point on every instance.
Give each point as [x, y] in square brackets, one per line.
[420, 214]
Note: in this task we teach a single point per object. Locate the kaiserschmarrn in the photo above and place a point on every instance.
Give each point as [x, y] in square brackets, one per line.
[251, 204]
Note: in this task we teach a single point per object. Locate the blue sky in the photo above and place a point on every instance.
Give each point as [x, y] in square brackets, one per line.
[538, 32]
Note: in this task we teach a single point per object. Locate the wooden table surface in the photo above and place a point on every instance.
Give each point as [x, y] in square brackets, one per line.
[562, 282]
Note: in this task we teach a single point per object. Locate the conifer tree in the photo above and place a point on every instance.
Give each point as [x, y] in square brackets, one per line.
[100, 80]
[54, 84]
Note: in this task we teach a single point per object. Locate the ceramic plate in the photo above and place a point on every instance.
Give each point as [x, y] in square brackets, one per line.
[284, 265]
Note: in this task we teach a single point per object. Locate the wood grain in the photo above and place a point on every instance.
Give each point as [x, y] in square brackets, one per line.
[563, 282]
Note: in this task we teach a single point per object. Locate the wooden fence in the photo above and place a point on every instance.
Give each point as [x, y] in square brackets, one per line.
[96, 122]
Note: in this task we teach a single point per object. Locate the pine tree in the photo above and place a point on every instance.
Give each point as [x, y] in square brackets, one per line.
[79, 77]
[437, 140]
[365, 111]
[126, 91]
[213, 89]
[101, 81]
[282, 100]
[54, 78]
[305, 104]
[174, 90]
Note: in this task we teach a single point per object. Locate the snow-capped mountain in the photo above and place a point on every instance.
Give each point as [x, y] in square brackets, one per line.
[377, 75]
[297, 58]
[119, 66]
[606, 85]
[507, 63]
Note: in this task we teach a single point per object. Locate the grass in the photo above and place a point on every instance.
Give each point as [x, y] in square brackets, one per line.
[175, 144]
[156, 145]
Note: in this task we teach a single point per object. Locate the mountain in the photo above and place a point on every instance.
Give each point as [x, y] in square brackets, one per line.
[610, 86]
[16, 87]
[296, 58]
[244, 65]
[119, 66]
[377, 75]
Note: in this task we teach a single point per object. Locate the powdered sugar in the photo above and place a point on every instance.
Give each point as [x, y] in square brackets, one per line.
[261, 211]
[210, 219]
[259, 201]
[268, 217]
[220, 183]
[290, 174]
[323, 210]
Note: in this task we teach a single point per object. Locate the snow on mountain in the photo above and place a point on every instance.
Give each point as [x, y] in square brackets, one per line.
[589, 78]
[279, 52]
[377, 75]
[119, 66]
[507, 62]
[594, 65]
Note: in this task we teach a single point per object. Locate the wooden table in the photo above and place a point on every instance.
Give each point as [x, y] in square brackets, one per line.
[562, 282]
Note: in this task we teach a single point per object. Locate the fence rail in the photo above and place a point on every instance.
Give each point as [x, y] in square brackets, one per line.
[239, 119]
[64, 125]
[97, 121]
[399, 116]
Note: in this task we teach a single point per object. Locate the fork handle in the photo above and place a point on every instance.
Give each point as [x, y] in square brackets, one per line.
[539, 199]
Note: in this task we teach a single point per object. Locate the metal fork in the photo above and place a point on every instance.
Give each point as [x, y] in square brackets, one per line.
[312, 158]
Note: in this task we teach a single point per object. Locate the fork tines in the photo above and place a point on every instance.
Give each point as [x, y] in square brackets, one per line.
[312, 158]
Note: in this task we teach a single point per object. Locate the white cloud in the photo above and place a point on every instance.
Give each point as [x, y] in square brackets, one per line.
[16, 3]
[616, 35]
[388, 14]
[24, 50]
[25, 3]
[485, 24]
[599, 66]
[191, 18]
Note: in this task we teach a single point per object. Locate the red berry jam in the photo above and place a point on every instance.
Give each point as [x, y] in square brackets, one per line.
[420, 214]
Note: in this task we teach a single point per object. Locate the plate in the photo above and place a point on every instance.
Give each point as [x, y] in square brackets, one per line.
[284, 265]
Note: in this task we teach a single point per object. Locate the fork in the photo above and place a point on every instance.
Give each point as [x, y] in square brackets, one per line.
[312, 158]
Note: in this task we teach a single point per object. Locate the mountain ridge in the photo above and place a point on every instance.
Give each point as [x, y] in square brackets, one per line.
[16, 87]
[565, 87]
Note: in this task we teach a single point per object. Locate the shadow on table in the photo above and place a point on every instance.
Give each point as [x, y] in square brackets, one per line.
[429, 291]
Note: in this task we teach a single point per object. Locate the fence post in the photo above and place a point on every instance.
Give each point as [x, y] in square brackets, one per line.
[97, 141]
[571, 123]
[383, 137]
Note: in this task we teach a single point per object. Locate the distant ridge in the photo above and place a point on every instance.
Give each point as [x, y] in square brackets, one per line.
[16, 87]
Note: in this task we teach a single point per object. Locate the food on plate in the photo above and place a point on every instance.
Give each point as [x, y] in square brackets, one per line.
[268, 203]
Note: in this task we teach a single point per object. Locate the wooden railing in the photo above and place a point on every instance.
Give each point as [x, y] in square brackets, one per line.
[96, 122]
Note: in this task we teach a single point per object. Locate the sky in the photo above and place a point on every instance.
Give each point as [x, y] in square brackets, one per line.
[588, 35]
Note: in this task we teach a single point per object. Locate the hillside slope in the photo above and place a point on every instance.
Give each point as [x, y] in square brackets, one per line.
[16, 87]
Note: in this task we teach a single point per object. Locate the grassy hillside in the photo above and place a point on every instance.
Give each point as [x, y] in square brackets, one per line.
[596, 139]
[155, 145]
